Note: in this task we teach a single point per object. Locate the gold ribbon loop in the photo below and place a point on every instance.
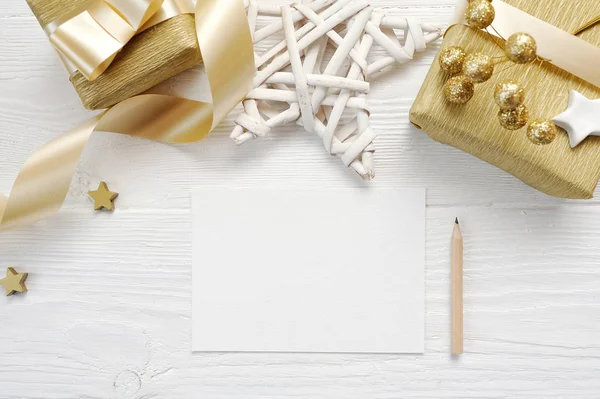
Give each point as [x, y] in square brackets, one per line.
[136, 13]
[226, 45]
[170, 9]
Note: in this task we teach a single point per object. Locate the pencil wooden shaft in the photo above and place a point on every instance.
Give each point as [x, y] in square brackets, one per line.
[457, 291]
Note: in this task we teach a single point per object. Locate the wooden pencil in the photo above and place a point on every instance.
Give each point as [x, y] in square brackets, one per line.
[457, 290]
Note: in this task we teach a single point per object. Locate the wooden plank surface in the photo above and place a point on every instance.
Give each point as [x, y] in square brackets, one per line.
[109, 307]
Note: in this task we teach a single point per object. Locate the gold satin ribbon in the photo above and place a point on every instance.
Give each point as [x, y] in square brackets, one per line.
[226, 45]
[170, 9]
[91, 39]
[560, 48]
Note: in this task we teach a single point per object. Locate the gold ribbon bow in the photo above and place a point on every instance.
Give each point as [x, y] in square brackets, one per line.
[90, 40]
[226, 45]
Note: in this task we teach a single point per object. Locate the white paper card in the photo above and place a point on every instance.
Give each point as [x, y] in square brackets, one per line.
[317, 270]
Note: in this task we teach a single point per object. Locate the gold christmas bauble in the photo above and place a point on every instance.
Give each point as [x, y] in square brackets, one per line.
[541, 132]
[459, 89]
[509, 95]
[479, 67]
[513, 119]
[452, 59]
[521, 48]
[480, 14]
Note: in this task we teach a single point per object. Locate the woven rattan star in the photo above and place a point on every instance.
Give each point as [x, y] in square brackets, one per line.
[314, 69]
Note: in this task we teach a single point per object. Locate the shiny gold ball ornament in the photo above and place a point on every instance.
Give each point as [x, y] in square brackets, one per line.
[514, 119]
[541, 132]
[479, 67]
[480, 14]
[452, 59]
[521, 48]
[509, 95]
[459, 89]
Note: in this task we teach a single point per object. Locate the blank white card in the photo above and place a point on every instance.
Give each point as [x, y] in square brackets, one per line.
[313, 270]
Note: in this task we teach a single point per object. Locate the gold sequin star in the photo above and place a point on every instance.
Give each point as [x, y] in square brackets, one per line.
[103, 198]
[14, 282]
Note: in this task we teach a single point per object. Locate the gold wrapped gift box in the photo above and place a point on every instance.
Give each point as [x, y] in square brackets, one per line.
[555, 169]
[149, 58]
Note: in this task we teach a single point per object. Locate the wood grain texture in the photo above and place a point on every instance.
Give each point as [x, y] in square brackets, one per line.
[531, 284]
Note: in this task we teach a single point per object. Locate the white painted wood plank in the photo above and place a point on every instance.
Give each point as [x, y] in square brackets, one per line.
[108, 315]
[123, 329]
[37, 103]
[405, 156]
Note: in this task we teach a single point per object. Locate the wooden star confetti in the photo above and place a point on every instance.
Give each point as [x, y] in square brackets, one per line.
[581, 119]
[103, 198]
[294, 83]
[14, 282]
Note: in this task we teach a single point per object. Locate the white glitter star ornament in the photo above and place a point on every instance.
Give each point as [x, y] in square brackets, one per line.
[294, 83]
[581, 119]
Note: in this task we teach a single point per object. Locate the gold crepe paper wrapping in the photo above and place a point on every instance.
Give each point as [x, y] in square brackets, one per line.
[555, 169]
[151, 57]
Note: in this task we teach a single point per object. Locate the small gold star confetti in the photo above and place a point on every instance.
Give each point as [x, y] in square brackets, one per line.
[14, 282]
[103, 198]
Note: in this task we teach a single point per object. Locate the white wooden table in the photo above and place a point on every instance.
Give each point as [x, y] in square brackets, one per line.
[109, 307]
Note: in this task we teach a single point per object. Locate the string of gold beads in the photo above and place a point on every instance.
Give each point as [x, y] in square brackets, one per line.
[467, 70]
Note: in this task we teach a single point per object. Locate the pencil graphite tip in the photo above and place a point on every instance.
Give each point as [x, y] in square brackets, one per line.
[456, 221]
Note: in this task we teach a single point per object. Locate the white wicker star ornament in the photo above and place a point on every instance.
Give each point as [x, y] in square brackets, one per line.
[294, 83]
